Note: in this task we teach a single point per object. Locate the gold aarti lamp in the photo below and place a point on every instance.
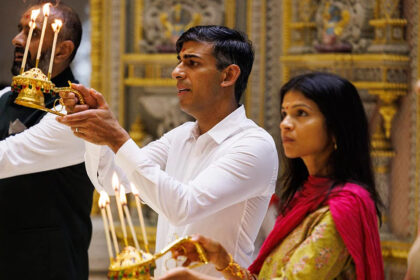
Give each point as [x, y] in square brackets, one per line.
[32, 85]
[133, 264]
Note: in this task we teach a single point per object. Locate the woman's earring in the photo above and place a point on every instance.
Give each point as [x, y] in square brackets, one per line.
[335, 146]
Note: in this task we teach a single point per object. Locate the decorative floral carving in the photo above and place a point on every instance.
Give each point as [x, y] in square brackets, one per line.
[165, 20]
[334, 31]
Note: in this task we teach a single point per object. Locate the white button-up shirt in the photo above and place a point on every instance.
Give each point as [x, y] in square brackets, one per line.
[45, 146]
[217, 184]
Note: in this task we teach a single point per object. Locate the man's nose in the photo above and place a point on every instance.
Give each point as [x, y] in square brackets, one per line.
[178, 72]
[19, 40]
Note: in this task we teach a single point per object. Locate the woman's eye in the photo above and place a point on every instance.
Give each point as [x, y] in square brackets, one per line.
[302, 113]
[282, 115]
[193, 63]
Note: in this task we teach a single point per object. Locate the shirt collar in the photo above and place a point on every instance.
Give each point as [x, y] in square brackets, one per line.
[225, 128]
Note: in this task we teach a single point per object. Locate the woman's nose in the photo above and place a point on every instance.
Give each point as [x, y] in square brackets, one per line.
[286, 123]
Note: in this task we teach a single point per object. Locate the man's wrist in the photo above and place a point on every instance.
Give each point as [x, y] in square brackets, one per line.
[119, 140]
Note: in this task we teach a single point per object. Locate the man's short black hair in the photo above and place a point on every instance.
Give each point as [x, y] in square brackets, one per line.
[230, 47]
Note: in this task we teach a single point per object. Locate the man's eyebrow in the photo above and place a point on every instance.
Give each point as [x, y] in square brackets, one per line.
[185, 56]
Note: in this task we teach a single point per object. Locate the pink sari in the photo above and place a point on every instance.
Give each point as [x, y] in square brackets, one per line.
[354, 215]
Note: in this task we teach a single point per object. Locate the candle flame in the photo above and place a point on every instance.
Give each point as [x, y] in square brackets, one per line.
[34, 14]
[56, 25]
[46, 9]
[122, 195]
[134, 189]
[103, 199]
[115, 181]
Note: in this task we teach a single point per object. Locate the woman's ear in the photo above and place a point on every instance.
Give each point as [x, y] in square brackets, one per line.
[63, 51]
[230, 75]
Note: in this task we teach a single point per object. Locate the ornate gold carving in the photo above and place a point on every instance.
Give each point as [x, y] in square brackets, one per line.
[95, 208]
[336, 57]
[230, 7]
[96, 41]
[137, 132]
[174, 28]
[302, 27]
[394, 249]
[262, 61]
[138, 23]
[248, 92]
[336, 25]
[96, 15]
[121, 95]
[389, 28]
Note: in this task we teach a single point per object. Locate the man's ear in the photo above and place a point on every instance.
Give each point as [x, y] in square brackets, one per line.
[230, 75]
[63, 51]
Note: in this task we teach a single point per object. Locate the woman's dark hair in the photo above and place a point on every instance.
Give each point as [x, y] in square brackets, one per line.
[340, 103]
[230, 47]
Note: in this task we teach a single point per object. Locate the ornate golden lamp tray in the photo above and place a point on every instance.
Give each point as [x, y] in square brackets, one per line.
[132, 264]
[32, 85]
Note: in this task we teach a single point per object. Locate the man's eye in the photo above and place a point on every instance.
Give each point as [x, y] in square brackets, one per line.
[192, 63]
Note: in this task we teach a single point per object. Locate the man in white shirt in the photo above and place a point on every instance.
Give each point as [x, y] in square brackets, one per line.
[45, 193]
[214, 176]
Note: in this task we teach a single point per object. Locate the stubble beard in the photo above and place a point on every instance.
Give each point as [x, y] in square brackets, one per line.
[30, 63]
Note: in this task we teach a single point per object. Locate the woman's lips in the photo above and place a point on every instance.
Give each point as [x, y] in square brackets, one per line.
[287, 139]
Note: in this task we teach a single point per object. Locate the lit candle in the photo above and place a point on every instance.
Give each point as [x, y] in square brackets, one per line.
[56, 26]
[32, 25]
[46, 11]
[102, 204]
[115, 184]
[111, 223]
[127, 213]
[140, 213]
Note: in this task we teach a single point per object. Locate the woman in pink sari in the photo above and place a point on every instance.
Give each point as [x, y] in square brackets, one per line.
[328, 223]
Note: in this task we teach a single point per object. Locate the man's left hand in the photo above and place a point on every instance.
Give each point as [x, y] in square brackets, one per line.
[98, 126]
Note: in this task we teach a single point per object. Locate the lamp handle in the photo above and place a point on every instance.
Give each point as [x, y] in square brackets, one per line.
[65, 89]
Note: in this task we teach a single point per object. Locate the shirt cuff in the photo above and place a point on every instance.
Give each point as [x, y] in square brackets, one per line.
[92, 158]
[128, 157]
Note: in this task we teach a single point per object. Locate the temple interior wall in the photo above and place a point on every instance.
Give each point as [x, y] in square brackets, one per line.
[128, 55]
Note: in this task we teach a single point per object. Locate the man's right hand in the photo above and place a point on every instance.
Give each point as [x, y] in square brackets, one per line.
[71, 101]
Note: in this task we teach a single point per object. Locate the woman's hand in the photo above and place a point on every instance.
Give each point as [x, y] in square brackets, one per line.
[213, 250]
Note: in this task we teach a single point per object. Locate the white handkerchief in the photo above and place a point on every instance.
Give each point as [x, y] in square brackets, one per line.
[16, 127]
